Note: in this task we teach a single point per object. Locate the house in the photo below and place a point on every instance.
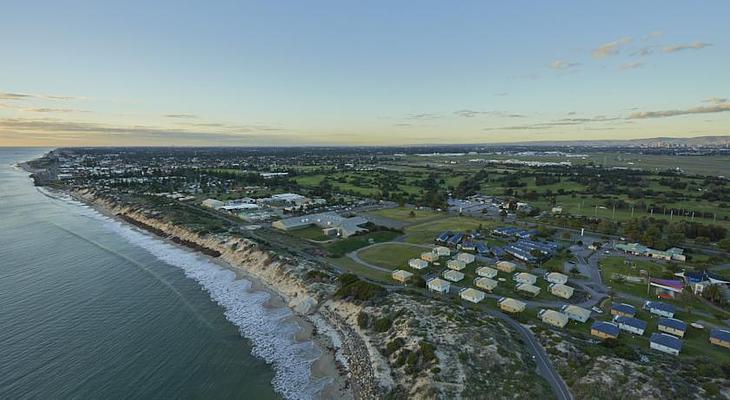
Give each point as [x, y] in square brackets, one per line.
[623, 309]
[604, 330]
[630, 324]
[560, 290]
[528, 288]
[456, 265]
[482, 248]
[485, 283]
[506, 266]
[466, 258]
[556, 277]
[699, 280]
[553, 318]
[472, 295]
[443, 237]
[666, 288]
[438, 285]
[486, 272]
[557, 210]
[467, 245]
[213, 203]
[720, 337]
[672, 326]
[665, 343]
[346, 227]
[417, 263]
[576, 313]
[659, 308]
[453, 276]
[677, 254]
[442, 251]
[632, 248]
[402, 276]
[511, 305]
[524, 277]
[455, 240]
[658, 254]
[429, 256]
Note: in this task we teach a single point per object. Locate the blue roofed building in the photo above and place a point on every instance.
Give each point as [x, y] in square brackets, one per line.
[455, 239]
[720, 337]
[443, 237]
[659, 308]
[481, 248]
[623, 309]
[604, 330]
[629, 324]
[672, 326]
[665, 343]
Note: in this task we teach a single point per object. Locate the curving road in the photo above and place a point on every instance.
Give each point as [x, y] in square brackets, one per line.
[544, 367]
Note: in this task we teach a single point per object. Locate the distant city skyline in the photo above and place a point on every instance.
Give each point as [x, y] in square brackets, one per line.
[370, 73]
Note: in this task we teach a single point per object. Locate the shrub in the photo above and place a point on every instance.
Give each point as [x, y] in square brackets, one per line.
[382, 324]
[363, 320]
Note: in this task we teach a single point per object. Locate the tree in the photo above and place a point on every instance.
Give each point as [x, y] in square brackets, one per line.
[724, 244]
[713, 294]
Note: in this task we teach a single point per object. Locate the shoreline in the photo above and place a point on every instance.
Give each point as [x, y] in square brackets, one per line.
[325, 367]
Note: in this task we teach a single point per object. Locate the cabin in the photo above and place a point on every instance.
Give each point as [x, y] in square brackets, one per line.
[556, 277]
[456, 265]
[720, 337]
[630, 324]
[530, 289]
[524, 277]
[665, 343]
[511, 305]
[472, 295]
[417, 263]
[429, 256]
[438, 285]
[553, 318]
[466, 258]
[485, 283]
[604, 330]
[401, 275]
[506, 266]
[623, 309]
[453, 276]
[443, 237]
[486, 272]
[576, 313]
[659, 308]
[442, 251]
[672, 326]
[560, 290]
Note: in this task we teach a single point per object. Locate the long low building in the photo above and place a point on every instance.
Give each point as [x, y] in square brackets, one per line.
[665, 343]
[659, 308]
[429, 256]
[442, 251]
[472, 295]
[346, 227]
[560, 290]
[720, 337]
[485, 283]
[486, 272]
[511, 305]
[605, 330]
[630, 324]
[553, 318]
[576, 313]
[672, 326]
[466, 258]
[623, 309]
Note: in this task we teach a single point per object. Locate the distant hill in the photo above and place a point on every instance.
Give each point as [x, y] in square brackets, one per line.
[699, 141]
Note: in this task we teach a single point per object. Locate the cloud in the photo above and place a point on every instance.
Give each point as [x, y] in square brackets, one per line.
[643, 52]
[14, 96]
[560, 64]
[631, 65]
[466, 113]
[25, 96]
[680, 47]
[423, 116]
[611, 48]
[501, 94]
[51, 110]
[716, 105]
[652, 35]
[181, 116]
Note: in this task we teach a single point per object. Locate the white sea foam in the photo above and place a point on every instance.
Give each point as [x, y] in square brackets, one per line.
[271, 330]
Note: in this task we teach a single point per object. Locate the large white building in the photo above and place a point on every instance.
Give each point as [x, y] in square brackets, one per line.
[346, 227]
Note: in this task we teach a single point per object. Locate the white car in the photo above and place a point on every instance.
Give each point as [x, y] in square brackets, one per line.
[597, 310]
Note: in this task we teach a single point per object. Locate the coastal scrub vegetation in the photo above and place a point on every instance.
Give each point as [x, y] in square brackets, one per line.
[352, 287]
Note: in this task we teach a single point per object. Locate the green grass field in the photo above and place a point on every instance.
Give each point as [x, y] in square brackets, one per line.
[427, 231]
[343, 246]
[311, 233]
[404, 214]
[391, 255]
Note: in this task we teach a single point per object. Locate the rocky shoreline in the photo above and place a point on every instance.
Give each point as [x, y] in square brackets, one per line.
[284, 277]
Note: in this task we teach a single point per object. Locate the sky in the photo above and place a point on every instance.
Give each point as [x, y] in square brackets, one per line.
[218, 73]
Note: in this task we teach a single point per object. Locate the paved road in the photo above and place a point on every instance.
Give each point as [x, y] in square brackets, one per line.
[544, 367]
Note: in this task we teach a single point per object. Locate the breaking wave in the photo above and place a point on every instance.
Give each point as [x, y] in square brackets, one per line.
[270, 330]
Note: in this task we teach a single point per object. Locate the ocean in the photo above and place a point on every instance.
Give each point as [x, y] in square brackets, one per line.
[91, 308]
